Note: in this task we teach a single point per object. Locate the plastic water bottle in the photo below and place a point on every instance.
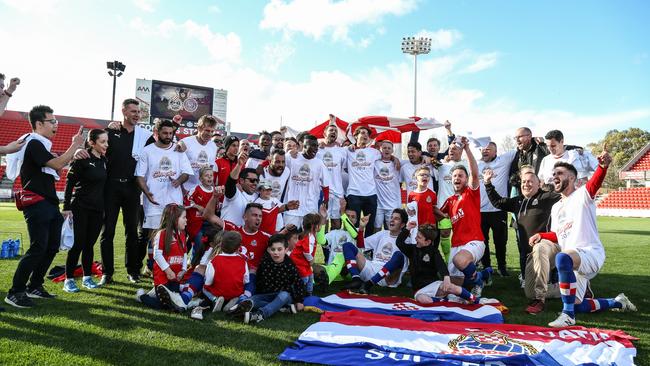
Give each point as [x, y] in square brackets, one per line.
[16, 247]
[4, 252]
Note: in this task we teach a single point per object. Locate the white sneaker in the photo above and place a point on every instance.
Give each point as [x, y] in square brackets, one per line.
[231, 304]
[487, 301]
[627, 304]
[140, 292]
[456, 299]
[197, 312]
[171, 298]
[477, 290]
[218, 304]
[562, 321]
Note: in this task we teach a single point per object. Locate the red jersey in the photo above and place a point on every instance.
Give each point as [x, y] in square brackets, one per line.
[200, 197]
[175, 258]
[304, 245]
[253, 245]
[426, 202]
[226, 275]
[224, 166]
[464, 210]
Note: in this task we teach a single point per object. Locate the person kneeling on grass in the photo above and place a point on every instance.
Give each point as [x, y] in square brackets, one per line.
[171, 290]
[279, 286]
[427, 266]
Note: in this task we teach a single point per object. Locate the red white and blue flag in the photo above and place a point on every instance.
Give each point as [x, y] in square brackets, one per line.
[402, 306]
[360, 338]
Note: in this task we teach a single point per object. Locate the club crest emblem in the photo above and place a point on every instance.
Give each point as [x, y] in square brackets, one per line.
[490, 344]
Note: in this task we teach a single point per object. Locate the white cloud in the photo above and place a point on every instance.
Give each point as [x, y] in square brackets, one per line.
[482, 62]
[275, 54]
[146, 5]
[214, 9]
[442, 38]
[316, 18]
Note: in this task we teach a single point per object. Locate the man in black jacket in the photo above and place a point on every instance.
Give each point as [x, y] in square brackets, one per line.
[529, 152]
[533, 211]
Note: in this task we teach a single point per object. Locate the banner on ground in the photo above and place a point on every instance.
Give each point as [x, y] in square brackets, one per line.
[360, 338]
[402, 306]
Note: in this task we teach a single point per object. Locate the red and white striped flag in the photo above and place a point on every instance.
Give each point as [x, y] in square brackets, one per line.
[382, 123]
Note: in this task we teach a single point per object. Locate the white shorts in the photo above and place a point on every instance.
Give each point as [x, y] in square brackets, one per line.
[477, 248]
[334, 206]
[430, 290]
[372, 267]
[152, 222]
[291, 219]
[383, 217]
[591, 261]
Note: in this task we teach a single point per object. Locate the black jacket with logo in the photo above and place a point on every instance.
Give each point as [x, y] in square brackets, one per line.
[425, 263]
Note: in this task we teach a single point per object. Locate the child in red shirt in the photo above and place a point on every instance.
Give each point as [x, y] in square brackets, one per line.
[424, 197]
[305, 250]
[195, 202]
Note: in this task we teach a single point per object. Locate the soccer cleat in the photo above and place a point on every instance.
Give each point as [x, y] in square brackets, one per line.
[253, 317]
[139, 293]
[218, 304]
[365, 288]
[230, 305]
[564, 320]
[535, 307]
[170, 298]
[88, 283]
[355, 284]
[627, 304]
[477, 290]
[146, 272]
[291, 309]
[197, 312]
[133, 278]
[19, 300]
[39, 293]
[240, 309]
[69, 285]
[456, 299]
[487, 280]
[105, 280]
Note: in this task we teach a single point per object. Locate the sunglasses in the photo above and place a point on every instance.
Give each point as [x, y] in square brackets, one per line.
[53, 121]
[252, 180]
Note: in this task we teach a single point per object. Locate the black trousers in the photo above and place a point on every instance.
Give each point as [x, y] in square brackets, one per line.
[126, 196]
[498, 223]
[87, 225]
[367, 204]
[44, 222]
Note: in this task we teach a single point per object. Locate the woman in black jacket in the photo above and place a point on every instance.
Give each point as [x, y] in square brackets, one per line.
[84, 202]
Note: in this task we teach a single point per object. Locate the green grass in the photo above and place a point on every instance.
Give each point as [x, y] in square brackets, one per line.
[107, 326]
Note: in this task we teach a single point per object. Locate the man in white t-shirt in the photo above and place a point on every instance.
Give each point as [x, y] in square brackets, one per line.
[200, 149]
[240, 190]
[573, 227]
[414, 162]
[584, 162]
[307, 178]
[387, 181]
[491, 217]
[277, 174]
[334, 158]
[160, 172]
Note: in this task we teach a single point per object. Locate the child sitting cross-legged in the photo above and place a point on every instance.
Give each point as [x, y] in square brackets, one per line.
[279, 285]
[427, 266]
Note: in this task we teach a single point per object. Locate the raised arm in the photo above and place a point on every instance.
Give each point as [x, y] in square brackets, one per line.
[473, 181]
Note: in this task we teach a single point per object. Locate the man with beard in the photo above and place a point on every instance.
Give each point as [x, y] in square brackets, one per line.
[277, 140]
[276, 174]
[573, 227]
[533, 210]
[584, 163]
[445, 190]
[228, 161]
[237, 196]
[414, 162]
[199, 149]
[160, 172]
[463, 208]
[257, 156]
[307, 178]
[493, 218]
[333, 156]
[387, 265]
[387, 180]
[433, 144]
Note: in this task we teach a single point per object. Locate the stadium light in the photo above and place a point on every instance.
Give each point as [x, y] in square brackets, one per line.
[116, 70]
[416, 46]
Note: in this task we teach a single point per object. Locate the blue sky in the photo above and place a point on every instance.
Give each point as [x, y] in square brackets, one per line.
[579, 66]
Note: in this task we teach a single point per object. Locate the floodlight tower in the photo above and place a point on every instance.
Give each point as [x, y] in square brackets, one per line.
[416, 46]
[116, 69]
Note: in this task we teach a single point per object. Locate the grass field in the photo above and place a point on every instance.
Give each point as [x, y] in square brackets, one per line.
[108, 327]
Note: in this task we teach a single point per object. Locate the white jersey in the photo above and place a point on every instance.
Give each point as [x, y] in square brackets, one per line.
[573, 219]
[199, 157]
[407, 175]
[445, 187]
[501, 168]
[361, 167]
[305, 182]
[334, 159]
[585, 164]
[383, 246]
[387, 181]
[335, 240]
[233, 208]
[269, 204]
[159, 167]
[277, 183]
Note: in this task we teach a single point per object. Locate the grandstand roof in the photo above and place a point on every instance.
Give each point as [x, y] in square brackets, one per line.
[638, 166]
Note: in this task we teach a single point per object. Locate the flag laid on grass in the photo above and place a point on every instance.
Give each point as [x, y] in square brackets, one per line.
[360, 338]
[402, 306]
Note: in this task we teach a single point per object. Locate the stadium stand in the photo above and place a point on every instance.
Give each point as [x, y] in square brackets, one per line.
[634, 200]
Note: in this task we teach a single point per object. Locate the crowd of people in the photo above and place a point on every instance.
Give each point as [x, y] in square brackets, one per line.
[221, 224]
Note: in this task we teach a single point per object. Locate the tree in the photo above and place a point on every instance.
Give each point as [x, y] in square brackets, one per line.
[622, 145]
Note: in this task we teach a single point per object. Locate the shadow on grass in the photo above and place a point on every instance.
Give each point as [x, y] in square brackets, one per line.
[626, 232]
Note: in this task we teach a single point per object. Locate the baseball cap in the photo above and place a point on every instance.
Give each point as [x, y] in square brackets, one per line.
[230, 139]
